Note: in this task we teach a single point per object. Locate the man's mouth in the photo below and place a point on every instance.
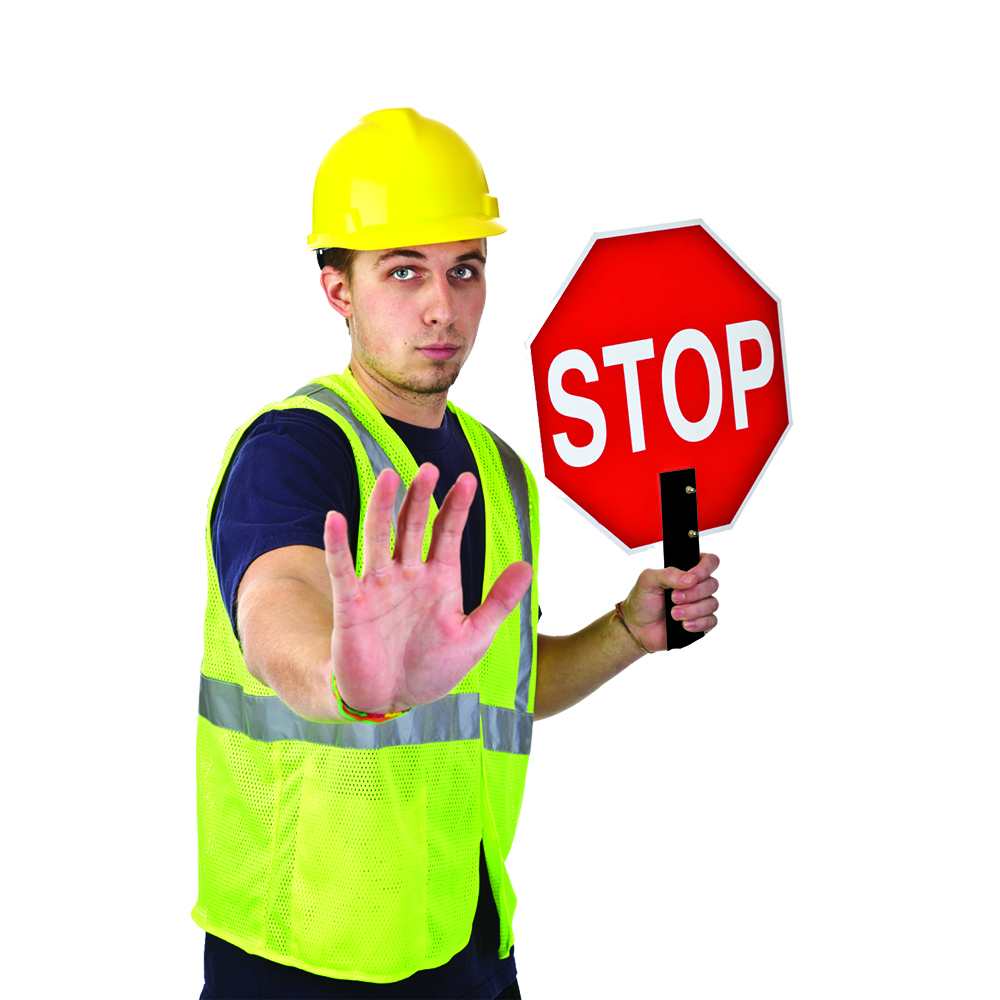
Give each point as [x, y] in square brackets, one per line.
[438, 352]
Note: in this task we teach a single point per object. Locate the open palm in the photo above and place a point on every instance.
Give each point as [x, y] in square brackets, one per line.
[400, 635]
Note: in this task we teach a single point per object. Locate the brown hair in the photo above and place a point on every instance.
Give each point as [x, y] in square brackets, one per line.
[339, 259]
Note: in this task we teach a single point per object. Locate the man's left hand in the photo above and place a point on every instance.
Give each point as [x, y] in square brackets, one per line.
[689, 596]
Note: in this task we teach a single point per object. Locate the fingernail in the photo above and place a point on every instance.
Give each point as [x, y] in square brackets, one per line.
[688, 579]
[677, 614]
[677, 597]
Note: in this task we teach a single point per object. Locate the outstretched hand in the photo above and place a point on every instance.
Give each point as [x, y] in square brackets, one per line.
[689, 599]
[400, 635]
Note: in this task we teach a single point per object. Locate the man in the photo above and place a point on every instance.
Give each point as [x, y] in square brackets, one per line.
[370, 680]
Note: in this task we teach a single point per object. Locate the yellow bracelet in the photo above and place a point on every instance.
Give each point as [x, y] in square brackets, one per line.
[357, 716]
[621, 617]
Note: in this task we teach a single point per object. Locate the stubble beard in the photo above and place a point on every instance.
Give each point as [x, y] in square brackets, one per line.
[436, 382]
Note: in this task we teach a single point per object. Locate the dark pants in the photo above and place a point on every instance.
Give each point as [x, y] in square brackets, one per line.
[233, 974]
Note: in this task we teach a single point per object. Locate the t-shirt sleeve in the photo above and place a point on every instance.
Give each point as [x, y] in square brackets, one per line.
[291, 467]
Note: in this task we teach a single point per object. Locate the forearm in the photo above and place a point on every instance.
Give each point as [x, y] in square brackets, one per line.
[570, 667]
[285, 631]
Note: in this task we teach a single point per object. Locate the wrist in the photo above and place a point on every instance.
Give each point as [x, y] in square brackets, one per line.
[357, 715]
[619, 616]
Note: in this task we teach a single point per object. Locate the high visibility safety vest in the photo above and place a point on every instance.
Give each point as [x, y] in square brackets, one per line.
[351, 850]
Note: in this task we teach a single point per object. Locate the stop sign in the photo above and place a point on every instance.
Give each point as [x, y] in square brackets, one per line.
[661, 351]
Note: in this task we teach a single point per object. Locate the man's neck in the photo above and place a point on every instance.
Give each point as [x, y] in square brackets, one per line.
[425, 409]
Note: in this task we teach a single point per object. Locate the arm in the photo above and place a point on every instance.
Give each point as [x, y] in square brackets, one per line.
[571, 667]
[285, 615]
[399, 635]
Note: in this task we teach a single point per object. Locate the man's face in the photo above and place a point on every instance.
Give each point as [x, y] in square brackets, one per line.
[414, 312]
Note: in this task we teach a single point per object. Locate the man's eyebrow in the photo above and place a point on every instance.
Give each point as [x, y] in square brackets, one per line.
[417, 255]
[399, 253]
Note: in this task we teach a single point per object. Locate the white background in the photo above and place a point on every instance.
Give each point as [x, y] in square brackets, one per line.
[802, 805]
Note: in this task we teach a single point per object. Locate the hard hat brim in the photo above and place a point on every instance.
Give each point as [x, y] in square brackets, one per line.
[385, 237]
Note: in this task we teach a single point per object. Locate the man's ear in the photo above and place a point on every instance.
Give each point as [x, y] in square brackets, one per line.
[336, 290]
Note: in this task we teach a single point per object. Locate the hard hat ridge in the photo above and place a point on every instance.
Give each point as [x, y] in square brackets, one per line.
[398, 118]
[400, 179]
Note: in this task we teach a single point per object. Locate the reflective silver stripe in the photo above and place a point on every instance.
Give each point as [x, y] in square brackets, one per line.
[267, 718]
[376, 455]
[518, 482]
[506, 730]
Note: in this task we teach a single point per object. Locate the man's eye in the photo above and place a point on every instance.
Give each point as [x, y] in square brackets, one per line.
[464, 272]
[403, 273]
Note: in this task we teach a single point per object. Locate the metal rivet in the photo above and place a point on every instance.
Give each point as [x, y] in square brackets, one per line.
[692, 533]
[689, 489]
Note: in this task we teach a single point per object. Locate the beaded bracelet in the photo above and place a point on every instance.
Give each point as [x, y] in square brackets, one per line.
[356, 716]
[621, 617]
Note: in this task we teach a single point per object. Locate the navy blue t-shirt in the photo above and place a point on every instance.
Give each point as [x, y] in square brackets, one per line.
[291, 467]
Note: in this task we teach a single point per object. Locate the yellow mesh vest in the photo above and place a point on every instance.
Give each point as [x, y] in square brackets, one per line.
[352, 850]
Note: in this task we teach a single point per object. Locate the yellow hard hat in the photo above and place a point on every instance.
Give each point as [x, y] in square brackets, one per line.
[400, 179]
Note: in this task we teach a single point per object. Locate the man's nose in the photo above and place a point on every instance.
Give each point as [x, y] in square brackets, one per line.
[440, 308]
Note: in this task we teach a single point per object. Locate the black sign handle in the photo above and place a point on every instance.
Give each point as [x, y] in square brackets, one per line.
[679, 510]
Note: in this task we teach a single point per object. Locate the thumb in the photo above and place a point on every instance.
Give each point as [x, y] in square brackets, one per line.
[505, 595]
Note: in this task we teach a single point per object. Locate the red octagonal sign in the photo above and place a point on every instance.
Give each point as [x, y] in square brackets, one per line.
[661, 351]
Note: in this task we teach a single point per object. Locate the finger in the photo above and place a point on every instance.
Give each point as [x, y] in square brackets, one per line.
[446, 540]
[696, 611]
[378, 523]
[505, 595]
[707, 565]
[670, 578]
[673, 578]
[700, 590]
[412, 521]
[339, 562]
[701, 624]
